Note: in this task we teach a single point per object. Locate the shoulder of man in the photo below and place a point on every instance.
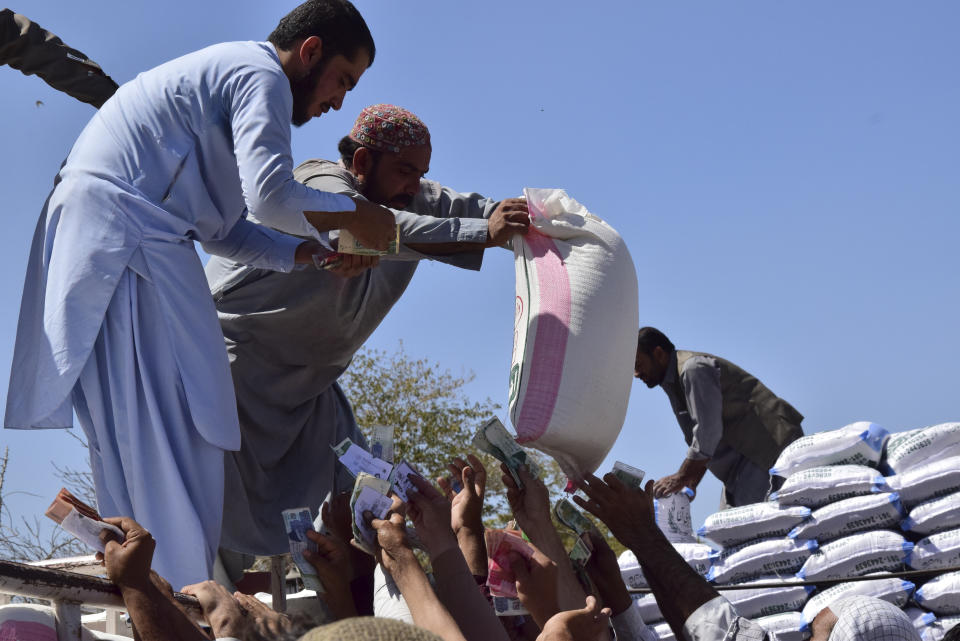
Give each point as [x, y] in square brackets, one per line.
[327, 175]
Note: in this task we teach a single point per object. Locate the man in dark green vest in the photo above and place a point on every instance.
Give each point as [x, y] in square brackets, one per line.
[734, 426]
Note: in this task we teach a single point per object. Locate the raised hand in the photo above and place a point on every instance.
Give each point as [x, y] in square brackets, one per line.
[536, 584]
[627, 512]
[530, 504]
[466, 507]
[431, 515]
[577, 625]
[128, 563]
[220, 608]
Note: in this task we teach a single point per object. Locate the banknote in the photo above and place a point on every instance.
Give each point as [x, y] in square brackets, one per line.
[366, 495]
[400, 479]
[628, 475]
[381, 443]
[500, 543]
[494, 439]
[580, 553]
[297, 521]
[82, 521]
[348, 244]
[356, 459]
[568, 514]
[506, 607]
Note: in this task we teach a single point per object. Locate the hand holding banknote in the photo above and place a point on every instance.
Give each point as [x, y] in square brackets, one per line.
[466, 505]
[588, 622]
[430, 512]
[392, 548]
[536, 584]
[128, 563]
[604, 571]
[531, 504]
[627, 512]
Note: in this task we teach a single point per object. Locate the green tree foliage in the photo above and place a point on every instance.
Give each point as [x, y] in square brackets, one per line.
[434, 420]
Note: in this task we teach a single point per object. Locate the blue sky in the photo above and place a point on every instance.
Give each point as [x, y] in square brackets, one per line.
[785, 175]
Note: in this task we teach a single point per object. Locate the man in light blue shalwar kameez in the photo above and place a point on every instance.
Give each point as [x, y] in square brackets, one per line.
[117, 321]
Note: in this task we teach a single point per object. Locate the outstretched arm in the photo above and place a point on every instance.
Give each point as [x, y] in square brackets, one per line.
[31, 49]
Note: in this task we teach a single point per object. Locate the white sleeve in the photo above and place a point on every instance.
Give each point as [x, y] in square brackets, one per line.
[260, 122]
[630, 626]
[717, 620]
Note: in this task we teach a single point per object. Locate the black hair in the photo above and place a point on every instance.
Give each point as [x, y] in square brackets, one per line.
[953, 634]
[651, 338]
[348, 146]
[337, 23]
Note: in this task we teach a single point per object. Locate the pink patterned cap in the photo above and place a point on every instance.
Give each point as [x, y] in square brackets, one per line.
[389, 128]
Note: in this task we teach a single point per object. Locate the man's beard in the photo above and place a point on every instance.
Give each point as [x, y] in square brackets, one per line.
[302, 91]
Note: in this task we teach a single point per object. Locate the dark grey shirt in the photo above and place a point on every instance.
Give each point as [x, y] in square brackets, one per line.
[289, 336]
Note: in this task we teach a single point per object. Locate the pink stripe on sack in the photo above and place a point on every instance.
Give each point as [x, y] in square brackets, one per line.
[550, 341]
[26, 631]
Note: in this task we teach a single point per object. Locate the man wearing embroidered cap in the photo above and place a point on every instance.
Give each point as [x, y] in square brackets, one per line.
[290, 336]
[862, 618]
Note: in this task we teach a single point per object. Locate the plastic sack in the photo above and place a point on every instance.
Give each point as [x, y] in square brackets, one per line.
[856, 555]
[647, 605]
[819, 486]
[786, 626]
[857, 444]
[769, 557]
[672, 514]
[761, 602]
[919, 617]
[851, 515]
[941, 550]
[575, 332]
[893, 590]
[664, 632]
[934, 516]
[938, 629]
[928, 481]
[940, 595]
[697, 555]
[919, 447]
[752, 522]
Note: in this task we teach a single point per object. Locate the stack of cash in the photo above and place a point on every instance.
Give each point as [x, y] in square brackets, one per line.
[297, 521]
[568, 514]
[357, 460]
[82, 521]
[400, 479]
[628, 475]
[494, 439]
[369, 494]
[500, 577]
[348, 244]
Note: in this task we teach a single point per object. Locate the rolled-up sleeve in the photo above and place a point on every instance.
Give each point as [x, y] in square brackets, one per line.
[717, 620]
[251, 244]
[260, 107]
[700, 380]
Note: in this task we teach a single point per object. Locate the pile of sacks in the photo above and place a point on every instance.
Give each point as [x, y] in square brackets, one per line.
[854, 502]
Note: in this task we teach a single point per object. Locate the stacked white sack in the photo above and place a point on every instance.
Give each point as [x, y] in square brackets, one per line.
[819, 486]
[934, 516]
[937, 629]
[699, 556]
[849, 516]
[894, 590]
[909, 449]
[787, 626]
[927, 481]
[941, 550]
[752, 522]
[857, 555]
[575, 332]
[858, 444]
[778, 556]
[761, 602]
[940, 595]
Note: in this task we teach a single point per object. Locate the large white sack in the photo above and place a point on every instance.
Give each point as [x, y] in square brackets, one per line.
[856, 555]
[934, 516]
[940, 595]
[851, 515]
[758, 602]
[697, 555]
[575, 332]
[941, 550]
[787, 626]
[894, 590]
[819, 486]
[855, 444]
[927, 481]
[919, 447]
[780, 556]
[672, 514]
[750, 522]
